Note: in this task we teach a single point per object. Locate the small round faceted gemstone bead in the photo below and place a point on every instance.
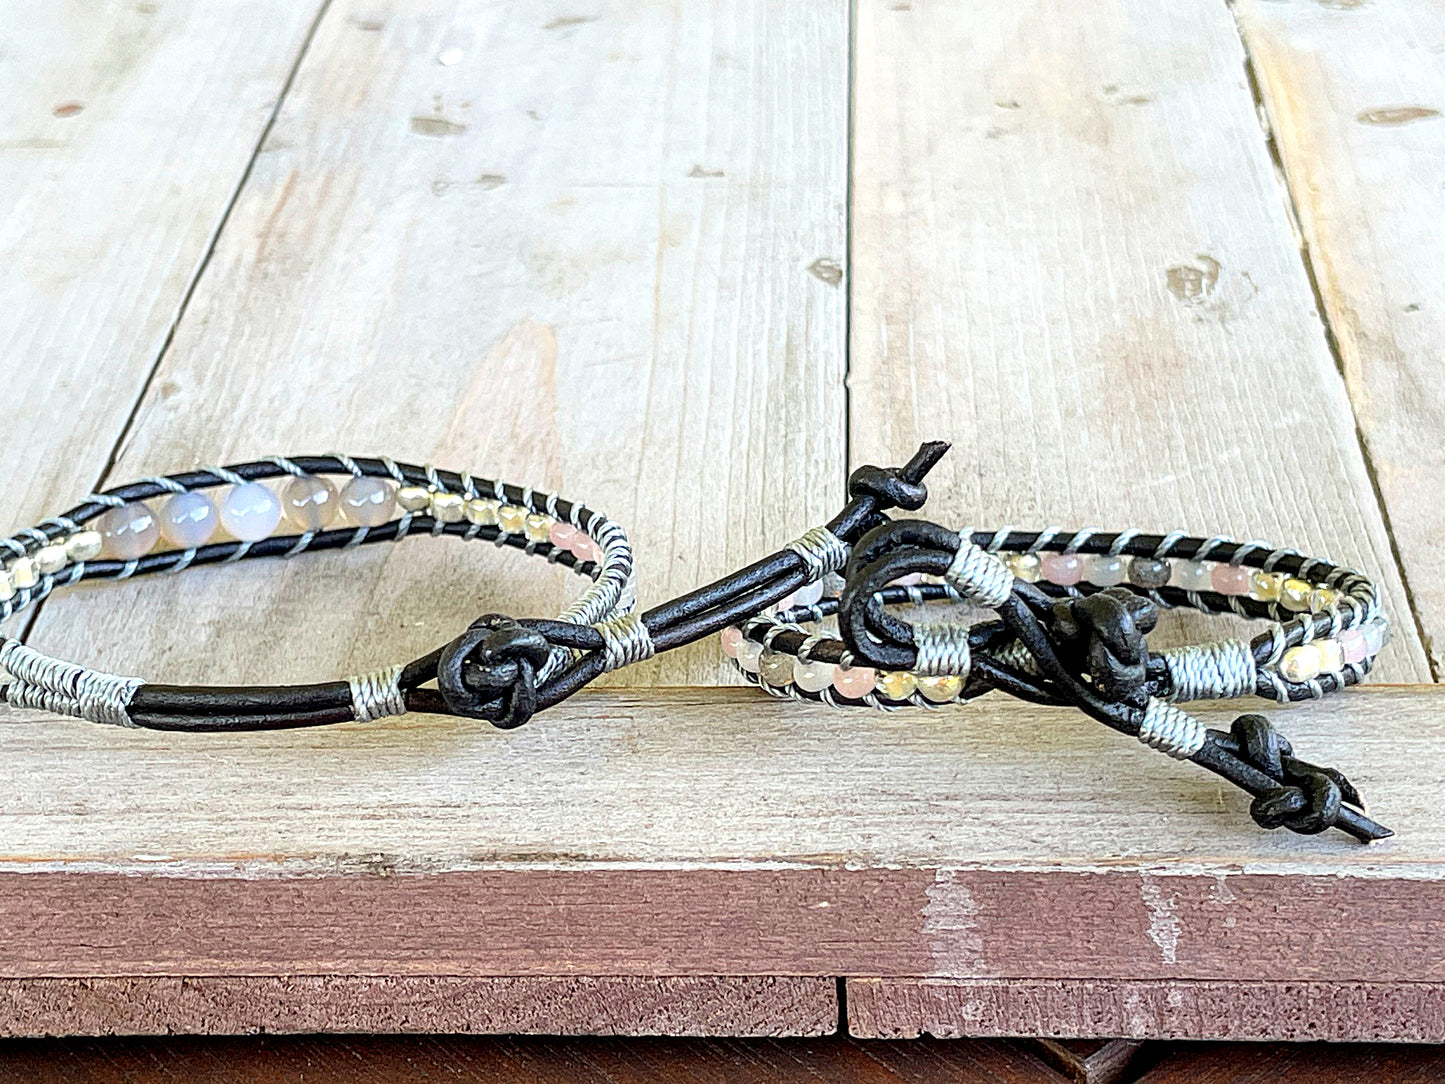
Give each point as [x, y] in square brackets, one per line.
[511, 518]
[537, 527]
[1105, 571]
[1323, 598]
[775, 668]
[939, 689]
[482, 511]
[561, 534]
[309, 502]
[1230, 579]
[189, 520]
[1265, 586]
[128, 531]
[413, 498]
[1352, 644]
[1332, 656]
[367, 502]
[808, 594]
[812, 677]
[854, 682]
[1148, 572]
[1191, 576]
[250, 512]
[50, 559]
[584, 548]
[447, 507]
[895, 684]
[1064, 569]
[731, 637]
[1377, 635]
[1024, 566]
[23, 573]
[85, 546]
[1294, 594]
[1301, 663]
[749, 655]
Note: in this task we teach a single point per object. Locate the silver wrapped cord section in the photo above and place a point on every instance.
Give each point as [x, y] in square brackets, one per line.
[942, 649]
[1218, 671]
[377, 694]
[66, 688]
[822, 551]
[1171, 730]
[625, 641]
[979, 575]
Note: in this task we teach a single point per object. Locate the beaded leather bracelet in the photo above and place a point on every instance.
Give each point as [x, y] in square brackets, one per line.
[1074, 609]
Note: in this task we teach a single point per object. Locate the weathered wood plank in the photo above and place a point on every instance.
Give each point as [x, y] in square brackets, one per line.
[1090, 1061]
[711, 833]
[571, 250]
[1298, 1064]
[1295, 1011]
[214, 1005]
[1355, 95]
[1071, 256]
[124, 130]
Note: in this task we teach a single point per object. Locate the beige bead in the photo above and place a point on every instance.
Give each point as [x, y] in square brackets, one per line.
[448, 507]
[1264, 586]
[1294, 594]
[775, 668]
[413, 498]
[939, 690]
[7, 589]
[1301, 663]
[537, 527]
[482, 512]
[896, 684]
[50, 559]
[367, 502]
[309, 502]
[1332, 656]
[1024, 566]
[511, 518]
[23, 573]
[1323, 598]
[84, 546]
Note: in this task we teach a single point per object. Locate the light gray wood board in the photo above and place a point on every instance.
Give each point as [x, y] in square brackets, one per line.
[297, 1004]
[579, 251]
[1237, 1010]
[1072, 257]
[712, 832]
[1355, 95]
[124, 130]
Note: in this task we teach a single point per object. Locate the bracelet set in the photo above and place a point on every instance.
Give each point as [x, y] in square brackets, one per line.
[1051, 616]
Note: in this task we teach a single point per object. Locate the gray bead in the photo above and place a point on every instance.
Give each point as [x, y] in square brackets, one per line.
[1148, 572]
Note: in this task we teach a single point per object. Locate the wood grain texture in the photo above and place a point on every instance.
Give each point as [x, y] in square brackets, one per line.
[1090, 1061]
[211, 1005]
[467, 1059]
[124, 131]
[631, 835]
[1237, 1009]
[1299, 1064]
[1072, 258]
[576, 254]
[1355, 95]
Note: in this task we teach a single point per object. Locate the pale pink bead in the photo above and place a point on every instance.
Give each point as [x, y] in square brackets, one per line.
[731, 637]
[1352, 643]
[1231, 579]
[583, 548]
[854, 682]
[1064, 569]
[562, 535]
[913, 579]
[787, 602]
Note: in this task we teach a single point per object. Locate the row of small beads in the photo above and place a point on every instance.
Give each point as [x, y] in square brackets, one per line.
[1151, 573]
[25, 572]
[855, 682]
[308, 502]
[1306, 662]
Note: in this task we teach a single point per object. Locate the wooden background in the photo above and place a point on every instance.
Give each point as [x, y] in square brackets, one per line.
[1143, 264]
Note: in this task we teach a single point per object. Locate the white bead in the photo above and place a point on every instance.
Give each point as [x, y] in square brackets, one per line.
[447, 507]
[50, 559]
[812, 677]
[808, 594]
[309, 502]
[367, 502]
[413, 498]
[1104, 571]
[1192, 576]
[750, 654]
[7, 589]
[23, 573]
[129, 531]
[482, 511]
[84, 546]
[250, 512]
[189, 520]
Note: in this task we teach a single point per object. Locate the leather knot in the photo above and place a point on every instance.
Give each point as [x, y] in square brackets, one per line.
[1102, 635]
[490, 671]
[1308, 799]
[888, 487]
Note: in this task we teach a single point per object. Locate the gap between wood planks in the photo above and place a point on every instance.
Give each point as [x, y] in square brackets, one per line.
[1291, 206]
[190, 290]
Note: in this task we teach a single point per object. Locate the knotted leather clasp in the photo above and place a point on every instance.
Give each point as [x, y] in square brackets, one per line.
[1308, 799]
[490, 671]
[1102, 635]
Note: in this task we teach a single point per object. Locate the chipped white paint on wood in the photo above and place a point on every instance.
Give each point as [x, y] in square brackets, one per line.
[1072, 257]
[124, 130]
[1355, 94]
[584, 256]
